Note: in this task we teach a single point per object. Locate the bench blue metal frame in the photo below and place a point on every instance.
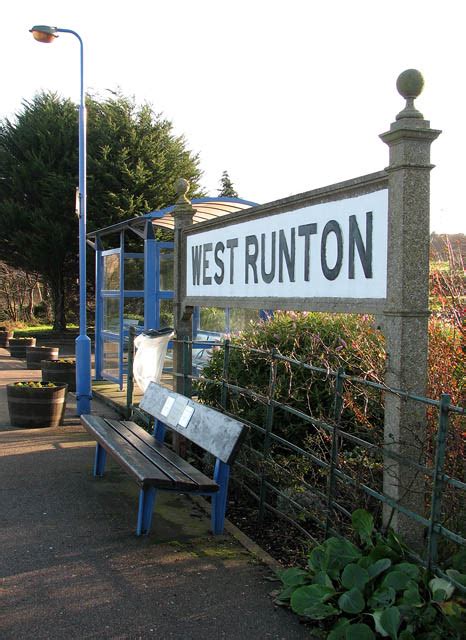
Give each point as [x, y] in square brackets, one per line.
[148, 495]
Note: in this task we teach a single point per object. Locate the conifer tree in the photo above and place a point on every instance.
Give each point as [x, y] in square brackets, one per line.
[133, 162]
[227, 189]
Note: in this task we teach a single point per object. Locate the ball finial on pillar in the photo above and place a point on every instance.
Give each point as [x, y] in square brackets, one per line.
[410, 84]
[182, 188]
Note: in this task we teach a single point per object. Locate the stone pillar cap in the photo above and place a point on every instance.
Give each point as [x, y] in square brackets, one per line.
[182, 188]
[410, 84]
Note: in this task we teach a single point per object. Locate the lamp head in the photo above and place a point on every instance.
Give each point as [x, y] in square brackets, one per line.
[43, 33]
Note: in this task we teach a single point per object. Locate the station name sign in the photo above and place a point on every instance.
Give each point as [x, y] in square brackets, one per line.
[334, 249]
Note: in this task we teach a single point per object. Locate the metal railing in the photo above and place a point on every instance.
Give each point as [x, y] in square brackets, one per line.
[257, 469]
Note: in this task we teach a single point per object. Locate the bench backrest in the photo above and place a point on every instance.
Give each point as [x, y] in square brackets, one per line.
[216, 433]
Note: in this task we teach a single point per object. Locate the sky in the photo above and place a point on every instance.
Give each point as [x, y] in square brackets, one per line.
[287, 96]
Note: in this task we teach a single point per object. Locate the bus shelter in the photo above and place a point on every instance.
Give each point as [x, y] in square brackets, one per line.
[134, 283]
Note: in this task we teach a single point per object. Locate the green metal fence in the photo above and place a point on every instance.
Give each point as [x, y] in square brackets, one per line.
[318, 501]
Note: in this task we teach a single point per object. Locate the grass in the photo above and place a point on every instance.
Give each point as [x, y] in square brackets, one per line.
[33, 329]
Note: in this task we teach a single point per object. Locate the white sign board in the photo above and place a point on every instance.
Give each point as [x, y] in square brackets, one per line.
[334, 250]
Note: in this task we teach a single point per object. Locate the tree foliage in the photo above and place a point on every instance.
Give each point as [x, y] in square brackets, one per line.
[19, 290]
[38, 166]
[227, 188]
[134, 160]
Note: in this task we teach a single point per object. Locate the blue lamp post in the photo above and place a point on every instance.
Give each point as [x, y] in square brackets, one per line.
[46, 34]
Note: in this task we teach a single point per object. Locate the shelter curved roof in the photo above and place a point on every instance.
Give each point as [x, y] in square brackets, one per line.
[206, 209]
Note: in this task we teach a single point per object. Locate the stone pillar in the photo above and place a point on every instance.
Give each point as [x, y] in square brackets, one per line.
[183, 217]
[406, 312]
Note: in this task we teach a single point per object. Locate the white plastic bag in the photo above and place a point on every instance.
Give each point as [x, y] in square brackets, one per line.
[151, 349]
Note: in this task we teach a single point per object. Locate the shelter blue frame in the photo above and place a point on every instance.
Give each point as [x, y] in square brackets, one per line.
[112, 339]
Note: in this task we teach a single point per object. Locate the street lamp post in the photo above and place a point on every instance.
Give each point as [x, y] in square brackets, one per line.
[46, 34]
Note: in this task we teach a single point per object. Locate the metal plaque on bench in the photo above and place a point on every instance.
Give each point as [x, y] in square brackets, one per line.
[203, 425]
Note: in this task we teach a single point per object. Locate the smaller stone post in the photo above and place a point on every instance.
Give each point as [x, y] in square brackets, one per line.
[182, 213]
[406, 312]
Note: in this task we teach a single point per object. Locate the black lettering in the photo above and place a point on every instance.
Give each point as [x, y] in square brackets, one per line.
[307, 230]
[232, 244]
[288, 253]
[268, 277]
[331, 227]
[205, 264]
[196, 253]
[250, 259]
[219, 247]
[364, 252]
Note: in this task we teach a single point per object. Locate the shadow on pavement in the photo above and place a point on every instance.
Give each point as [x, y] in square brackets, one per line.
[72, 567]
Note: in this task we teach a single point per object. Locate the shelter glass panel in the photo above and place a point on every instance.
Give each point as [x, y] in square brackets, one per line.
[133, 312]
[125, 357]
[240, 318]
[166, 270]
[212, 319]
[166, 314]
[134, 274]
[111, 358]
[112, 272]
[111, 315]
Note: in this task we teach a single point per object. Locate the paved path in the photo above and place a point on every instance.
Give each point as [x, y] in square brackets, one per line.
[72, 568]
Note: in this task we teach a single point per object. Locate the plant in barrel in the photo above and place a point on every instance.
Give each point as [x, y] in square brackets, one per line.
[34, 404]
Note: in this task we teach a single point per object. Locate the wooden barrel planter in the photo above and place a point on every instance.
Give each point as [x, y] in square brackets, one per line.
[33, 405]
[62, 371]
[18, 346]
[5, 337]
[35, 355]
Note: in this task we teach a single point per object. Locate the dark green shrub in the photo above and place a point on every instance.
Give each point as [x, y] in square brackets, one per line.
[326, 341]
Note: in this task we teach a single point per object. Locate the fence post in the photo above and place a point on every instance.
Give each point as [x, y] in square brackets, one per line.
[130, 376]
[405, 318]
[268, 431]
[438, 479]
[182, 213]
[226, 368]
[187, 367]
[337, 409]
[183, 385]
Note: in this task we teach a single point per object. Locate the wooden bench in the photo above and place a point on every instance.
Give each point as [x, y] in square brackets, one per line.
[154, 465]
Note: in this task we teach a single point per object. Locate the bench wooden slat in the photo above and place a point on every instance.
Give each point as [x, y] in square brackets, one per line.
[152, 463]
[204, 482]
[218, 434]
[129, 458]
[180, 480]
[184, 475]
